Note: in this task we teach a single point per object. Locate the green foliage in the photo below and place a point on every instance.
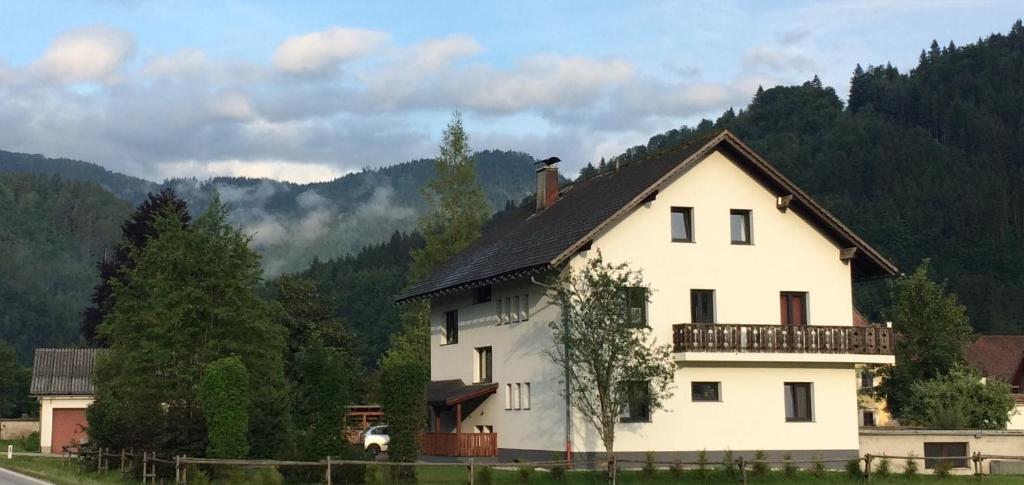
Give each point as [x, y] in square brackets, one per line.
[524, 474]
[702, 464]
[853, 468]
[677, 467]
[457, 204]
[944, 469]
[52, 231]
[557, 471]
[649, 467]
[608, 352]
[934, 334]
[266, 476]
[31, 442]
[818, 467]
[191, 299]
[403, 380]
[197, 476]
[789, 468]
[729, 463]
[910, 466]
[224, 400]
[484, 476]
[884, 467]
[759, 467]
[15, 381]
[961, 399]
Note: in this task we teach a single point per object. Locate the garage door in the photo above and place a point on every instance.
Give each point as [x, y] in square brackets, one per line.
[68, 428]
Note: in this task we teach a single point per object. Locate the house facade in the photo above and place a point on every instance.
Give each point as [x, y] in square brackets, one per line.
[751, 283]
[62, 382]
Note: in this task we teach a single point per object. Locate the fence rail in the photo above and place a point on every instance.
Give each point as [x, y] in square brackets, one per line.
[460, 444]
[719, 337]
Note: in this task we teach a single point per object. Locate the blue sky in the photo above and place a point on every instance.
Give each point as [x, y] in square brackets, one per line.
[312, 90]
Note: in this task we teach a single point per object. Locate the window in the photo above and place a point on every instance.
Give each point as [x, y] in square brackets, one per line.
[516, 396]
[637, 406]
[497, 312]
[515, 308]
[451, 327]
[706, 391]
[798, 401]
[793, 305]
[484, 428]
[508, 396]
[482, 294]
[525, 395]
[508, 310]
[867, 379]
[739, 223]
[526, 308]
[682, 224]
[702, 306]
[636, 306]
[935, 452]
[483, 364]
[867, 418]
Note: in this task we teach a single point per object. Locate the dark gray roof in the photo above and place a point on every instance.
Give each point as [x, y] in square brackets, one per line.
[528, 243]
[453, 391]
[63, 372]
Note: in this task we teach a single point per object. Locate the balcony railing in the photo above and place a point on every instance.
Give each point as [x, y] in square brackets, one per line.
[719, 337]
[460, 444]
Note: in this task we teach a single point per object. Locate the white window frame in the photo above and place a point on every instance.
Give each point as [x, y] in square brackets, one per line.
[526, 308]
[516, 404]
[525, 396]
[508, 396]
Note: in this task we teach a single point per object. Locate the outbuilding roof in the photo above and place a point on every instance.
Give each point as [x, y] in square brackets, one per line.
[531, 242]
[63, 372]
[1000, 356]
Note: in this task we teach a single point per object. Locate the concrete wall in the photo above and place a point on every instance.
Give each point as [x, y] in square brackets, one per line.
[13, 429]
[46, 406]
[1017, 418]
[901, 442]
[787, 254]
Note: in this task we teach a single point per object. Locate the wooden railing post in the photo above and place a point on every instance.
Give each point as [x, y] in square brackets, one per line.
[743, 470]
[328, 473]
[867, 467]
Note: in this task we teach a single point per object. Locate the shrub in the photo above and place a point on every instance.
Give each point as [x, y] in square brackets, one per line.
[760, 467]
[910, 467]
[402, 383]
[853, 468]
[818, 467]
[197, 476]
[728, 463]
[558, 473]
[789, 468]
[524, 474]
[266, 476]
[372, 475]
[31, 442]
[648, 469]
[224, 400]
[702, 464]
[884, 467]
[677, 468]
[484, 476]
[943, 469]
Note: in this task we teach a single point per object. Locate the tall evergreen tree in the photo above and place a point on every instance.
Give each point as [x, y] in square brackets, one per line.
[136, 232]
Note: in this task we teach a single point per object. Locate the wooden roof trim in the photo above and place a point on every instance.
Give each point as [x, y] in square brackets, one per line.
[483, 391]
[510, 275]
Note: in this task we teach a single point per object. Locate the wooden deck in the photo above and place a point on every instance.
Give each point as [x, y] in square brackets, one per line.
[460, 444]
[721, 337]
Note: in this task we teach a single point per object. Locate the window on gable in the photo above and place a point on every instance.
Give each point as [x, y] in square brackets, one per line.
[739, 224]
[637, 402]
[451, 327]
[483, 364]
[706, 391]
[498, 315]
[636, 307]
[793, 306]
[517, 395]
[799, 406]
[525, 396]
[507, 312]
[515, 308]
[953, 453]
[526, 308]
[508, 396]
[482, 294]
[682, 224]
[702, 306]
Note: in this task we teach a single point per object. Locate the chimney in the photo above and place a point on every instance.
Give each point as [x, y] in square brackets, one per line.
[547, 183]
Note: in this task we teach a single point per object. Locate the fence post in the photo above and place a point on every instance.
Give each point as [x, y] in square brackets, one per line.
[743, 470]
[472, 471]
[977, 463]
[328, 471]
[10, 452]
[867, 466]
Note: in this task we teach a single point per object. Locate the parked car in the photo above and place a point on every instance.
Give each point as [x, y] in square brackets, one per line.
[375, 439]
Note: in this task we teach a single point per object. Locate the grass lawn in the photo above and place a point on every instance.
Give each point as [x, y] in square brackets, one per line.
[51, 469]
[17, 445]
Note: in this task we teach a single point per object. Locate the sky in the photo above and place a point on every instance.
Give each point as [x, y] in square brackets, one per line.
[309, 91]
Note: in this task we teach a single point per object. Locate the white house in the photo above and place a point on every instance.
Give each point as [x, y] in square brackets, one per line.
[62, 381]
[752, 283]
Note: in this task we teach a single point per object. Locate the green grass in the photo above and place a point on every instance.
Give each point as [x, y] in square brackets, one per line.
[53, 470]
[18, 445]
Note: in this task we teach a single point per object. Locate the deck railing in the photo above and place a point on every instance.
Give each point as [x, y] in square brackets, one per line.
[460, 444]
[719, 337]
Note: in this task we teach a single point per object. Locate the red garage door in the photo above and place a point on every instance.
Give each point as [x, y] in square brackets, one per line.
[68, 428]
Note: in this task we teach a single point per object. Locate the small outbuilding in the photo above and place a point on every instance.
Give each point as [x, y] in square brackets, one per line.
[62, 381]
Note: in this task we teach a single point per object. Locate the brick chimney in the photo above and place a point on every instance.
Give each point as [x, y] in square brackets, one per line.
[547, 183]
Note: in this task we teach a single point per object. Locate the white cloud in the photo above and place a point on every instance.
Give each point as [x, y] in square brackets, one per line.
[86, 54]
[182, 62]
[272, 169]
[318, 52]
[779, 59]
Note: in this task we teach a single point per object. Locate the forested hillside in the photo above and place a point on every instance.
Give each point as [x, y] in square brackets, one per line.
[132, 189]
[52, 232]
[923, 164]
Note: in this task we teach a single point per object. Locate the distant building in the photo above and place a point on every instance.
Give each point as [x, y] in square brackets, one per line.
[752, 284]
[1002, 357]
[62, 381]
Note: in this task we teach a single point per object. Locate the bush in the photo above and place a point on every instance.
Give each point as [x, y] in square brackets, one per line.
[910, 467]
[677, 468]
[31, 442]
[760, 468]
[402, 382]
[943, 469]
[484, 476]
[818, 467]
[853, 468]
[524, 474]
[197, 476]
[266, 476]
[224, 400]
[884, 467]
[789, 468]
[557, 471]
[702, 464]
[648, 469]
[728, 463]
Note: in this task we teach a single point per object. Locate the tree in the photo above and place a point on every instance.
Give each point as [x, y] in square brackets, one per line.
[15, 380]
[136, 232]
[961, 399]
[191, 298]
[934, 333]
[613, 362]
[224, 400]
[402, 382]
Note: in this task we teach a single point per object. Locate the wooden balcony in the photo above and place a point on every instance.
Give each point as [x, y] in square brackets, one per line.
[460, 444]
[782, 339]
